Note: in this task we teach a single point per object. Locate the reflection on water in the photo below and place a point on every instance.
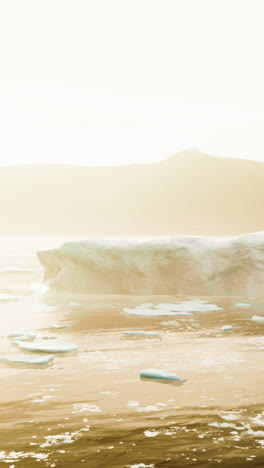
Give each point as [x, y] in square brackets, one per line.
[90, 407]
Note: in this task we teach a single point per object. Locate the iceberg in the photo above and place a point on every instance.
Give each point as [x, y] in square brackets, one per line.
[28, 359]
[48, 346]
[177, 265]
[257, 318]
[162, 376]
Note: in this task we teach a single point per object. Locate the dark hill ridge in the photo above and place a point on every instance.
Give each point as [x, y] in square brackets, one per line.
[189, 193]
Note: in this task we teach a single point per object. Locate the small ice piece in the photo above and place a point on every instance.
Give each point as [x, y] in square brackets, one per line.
[142, 465]
[28, 359]
[22, 338]
[49, 337]
[59, 326]
[155, 312]
[132, 403]
[227, 328]
[162, 376]
[151, 433]
[242, 305]
[48, 346]
[257, 318]
[141, 333]
[22, 333]
[190, 306]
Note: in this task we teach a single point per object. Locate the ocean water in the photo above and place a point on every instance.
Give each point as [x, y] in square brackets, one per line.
[89, 408]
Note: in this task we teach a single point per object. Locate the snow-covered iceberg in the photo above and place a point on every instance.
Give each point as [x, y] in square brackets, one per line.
[167, 265]
[161, 376]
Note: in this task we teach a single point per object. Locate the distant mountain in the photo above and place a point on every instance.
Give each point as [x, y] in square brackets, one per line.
[189, 193]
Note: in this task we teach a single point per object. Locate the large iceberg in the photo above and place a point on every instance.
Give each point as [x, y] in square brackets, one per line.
[167, 265]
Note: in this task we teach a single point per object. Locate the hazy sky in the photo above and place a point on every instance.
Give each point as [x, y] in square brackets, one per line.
[118, 81]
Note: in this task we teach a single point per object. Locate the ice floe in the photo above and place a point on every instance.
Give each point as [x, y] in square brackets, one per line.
[24, 335]
[227, 328]
[141, 333]
[27, 359]
[179, 309]
[190, 306]
[83, 407]
[7, 298]
[48, 346]
[141, 465]
[155, 312]
[162, 376]
[60, 326]
[257, 318]
[242, 305]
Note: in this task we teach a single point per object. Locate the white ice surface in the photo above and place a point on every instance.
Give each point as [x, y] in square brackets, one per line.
[7, 297]
[189, 306]
[155, 313]
[141, 333]
[27, 359]
[60, 326]
[48, 346]
[242, 305]
[22, 333]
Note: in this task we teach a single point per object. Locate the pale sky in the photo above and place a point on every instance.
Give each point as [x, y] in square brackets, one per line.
[121, 81]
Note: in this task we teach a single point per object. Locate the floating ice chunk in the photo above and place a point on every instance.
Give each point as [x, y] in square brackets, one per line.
[83, 407]
[230, 416]
[7, 298]
[49, 337]
[148, 409]
[60, 326]
[162, 376]
[22, 338]
[190, 306]
[141, 333]
[142, 465]
[227, 328]
[24, 334]
[132, 403]
[257, 318]
[155, 312]
[242, 305]
[226, 425]
[151, 433]
[48, 346]
[147, 305]
[28, 359]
